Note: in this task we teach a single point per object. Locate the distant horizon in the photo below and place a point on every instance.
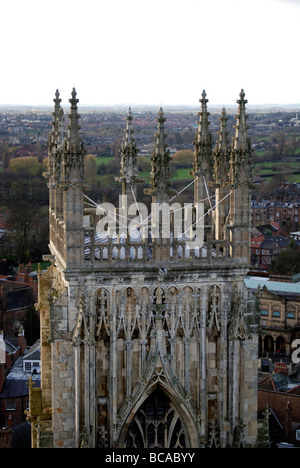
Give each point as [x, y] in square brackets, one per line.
[211, 107]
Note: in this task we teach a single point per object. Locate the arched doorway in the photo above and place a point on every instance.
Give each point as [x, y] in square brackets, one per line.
[268, 344]
[280, 345]
[157, 423]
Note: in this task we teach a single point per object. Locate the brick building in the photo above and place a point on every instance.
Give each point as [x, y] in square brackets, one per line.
[282, 396]
[15, 298]
[265, 250]
[14, 396]
[267, 242]
[284, 213]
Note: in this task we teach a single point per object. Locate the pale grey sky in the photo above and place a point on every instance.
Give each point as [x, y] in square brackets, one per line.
[150, 51]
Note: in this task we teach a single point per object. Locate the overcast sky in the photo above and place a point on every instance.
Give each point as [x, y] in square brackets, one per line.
[150, 51]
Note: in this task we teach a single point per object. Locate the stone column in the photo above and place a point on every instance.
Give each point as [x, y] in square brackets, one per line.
[203, 369]
[113, 378]
[77, 393]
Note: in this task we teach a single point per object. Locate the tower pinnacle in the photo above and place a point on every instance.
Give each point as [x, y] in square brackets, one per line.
[221, 152]
[203, 133]
[129, 151]
[73, 128]
[56, 119]
[203, 140]
[240, 161]
[223, 133]
[129, 168]
[74, 153]
[240, 140]
[160, 161]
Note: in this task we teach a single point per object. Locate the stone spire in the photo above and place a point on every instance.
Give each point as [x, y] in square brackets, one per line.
[129, 168]
[220, 182]
[54, 144]
[203, 159]
[203, 140]
[223, 133]
[160, 162]
[129, 151]
[240, 140]
[53, 137]
[204, 135]
[240, 161]
[61, 130]
[74, 153]
[221, 152]
[240, 179]
[73, 128]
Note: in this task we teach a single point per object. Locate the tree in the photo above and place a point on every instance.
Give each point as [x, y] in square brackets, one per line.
[90, 167]
[280, 142]
[183, 159]
[288, 262]
[5, 156]
[144, 164]
[27, 234]
[115, 146]
[26, 164]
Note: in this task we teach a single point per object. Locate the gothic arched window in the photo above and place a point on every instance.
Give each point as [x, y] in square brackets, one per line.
[156, 424]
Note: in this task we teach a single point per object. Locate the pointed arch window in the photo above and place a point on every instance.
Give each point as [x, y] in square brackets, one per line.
[156, 424]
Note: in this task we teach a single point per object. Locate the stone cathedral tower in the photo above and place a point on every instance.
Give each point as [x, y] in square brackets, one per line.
[148, 341]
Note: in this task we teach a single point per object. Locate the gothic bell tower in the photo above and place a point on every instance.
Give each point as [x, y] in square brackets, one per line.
[148, 341]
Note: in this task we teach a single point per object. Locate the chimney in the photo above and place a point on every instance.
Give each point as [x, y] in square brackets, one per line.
[281, 367]
[10, 421]
[22, 340]
[288, 419]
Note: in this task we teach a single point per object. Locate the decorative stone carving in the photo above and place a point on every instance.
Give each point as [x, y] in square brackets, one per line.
[213, 324]
[237, 329]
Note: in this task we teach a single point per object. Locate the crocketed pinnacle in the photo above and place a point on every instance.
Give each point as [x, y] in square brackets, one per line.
[203, 140]
[61, 130]
[160, 135]
[160, 161]
[203, 132]
[223, 133]
[221, 152]
[240, 140]
[53, 137]
[129, 140]
[74, 153]
[73, 128]
[129, 151]
[55, 143]
[240, 161]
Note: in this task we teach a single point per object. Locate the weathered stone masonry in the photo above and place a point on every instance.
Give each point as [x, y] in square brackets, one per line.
[146, 342]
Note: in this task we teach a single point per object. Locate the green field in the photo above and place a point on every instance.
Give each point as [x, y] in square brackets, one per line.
[289, 170]
[104, 159]
[44, 266]
[177, 174]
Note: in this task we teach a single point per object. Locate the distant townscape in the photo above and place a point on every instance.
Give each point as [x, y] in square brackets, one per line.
[35, 271]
